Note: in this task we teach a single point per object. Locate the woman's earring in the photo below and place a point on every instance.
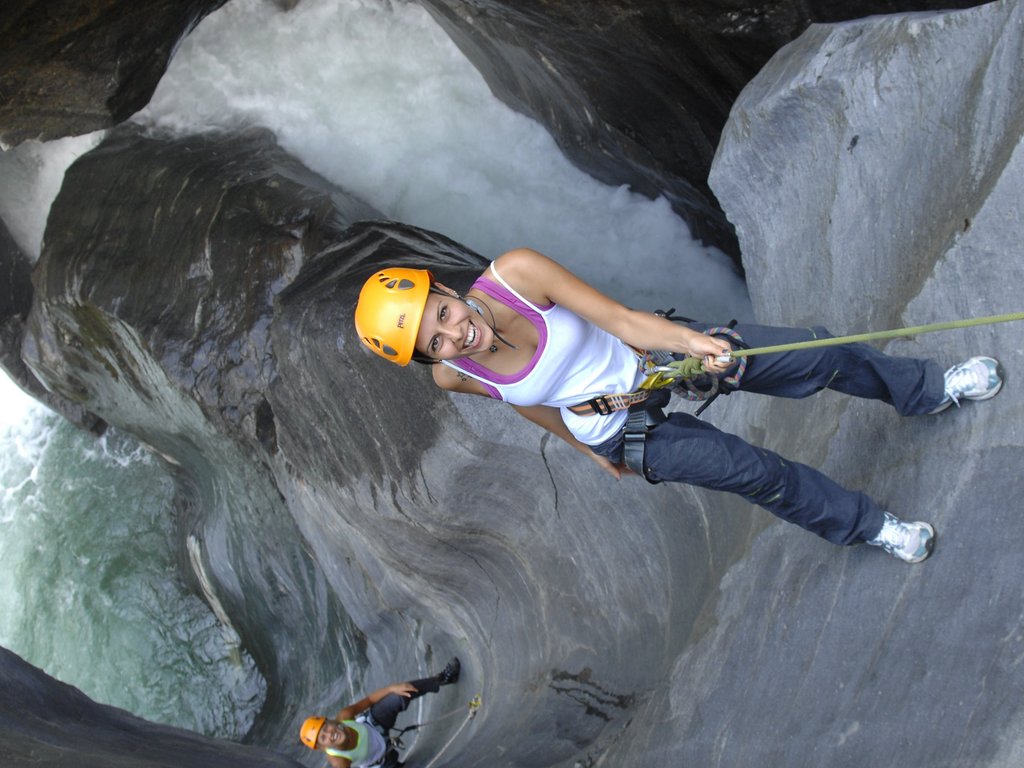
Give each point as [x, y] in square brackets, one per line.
[493, 348]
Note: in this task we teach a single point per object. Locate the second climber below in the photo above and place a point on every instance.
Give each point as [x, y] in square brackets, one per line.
[357, 737]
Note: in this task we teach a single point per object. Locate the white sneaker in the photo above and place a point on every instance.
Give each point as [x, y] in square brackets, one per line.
[910, 542]
[976, 379]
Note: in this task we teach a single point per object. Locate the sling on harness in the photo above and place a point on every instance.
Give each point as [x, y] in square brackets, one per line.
[664, 375]
[662, 370]
[642, 418]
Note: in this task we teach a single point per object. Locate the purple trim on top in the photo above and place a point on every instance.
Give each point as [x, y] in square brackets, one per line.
[500, 293]
[494, 393]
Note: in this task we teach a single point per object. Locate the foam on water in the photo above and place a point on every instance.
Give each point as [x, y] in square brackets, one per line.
[32, 174]
[375, 97]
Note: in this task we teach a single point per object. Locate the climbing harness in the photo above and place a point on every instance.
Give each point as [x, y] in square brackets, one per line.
[473, 707]
[664, 375]
[662, 370]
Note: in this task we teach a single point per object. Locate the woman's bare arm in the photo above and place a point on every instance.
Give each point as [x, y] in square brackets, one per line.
[551, 419]
[350, 712]
[544, 281]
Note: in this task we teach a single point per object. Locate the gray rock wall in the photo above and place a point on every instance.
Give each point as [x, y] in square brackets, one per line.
[844, 658]
[46, 722]
[881, 147]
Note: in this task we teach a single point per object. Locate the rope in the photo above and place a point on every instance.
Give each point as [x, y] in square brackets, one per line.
[679, 374]
[892, 334]
[396, 738]
[474, 705]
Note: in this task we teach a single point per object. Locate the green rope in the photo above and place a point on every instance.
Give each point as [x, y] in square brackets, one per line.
[474, 705]
[895, 333]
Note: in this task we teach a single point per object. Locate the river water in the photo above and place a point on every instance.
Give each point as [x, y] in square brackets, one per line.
[89, 585]
[372, 95]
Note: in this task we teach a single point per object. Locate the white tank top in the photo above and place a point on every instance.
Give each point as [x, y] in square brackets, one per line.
[575, 361]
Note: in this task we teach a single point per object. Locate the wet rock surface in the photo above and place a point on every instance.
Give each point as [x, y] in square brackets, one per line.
[69, 67]
[154, 295]
[15, 303]
[44, 717]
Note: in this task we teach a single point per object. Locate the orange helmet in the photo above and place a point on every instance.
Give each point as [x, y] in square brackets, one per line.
[390, 309]
[310, 730]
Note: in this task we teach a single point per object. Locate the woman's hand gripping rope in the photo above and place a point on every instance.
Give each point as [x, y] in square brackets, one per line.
[714, 354]
[708, 355]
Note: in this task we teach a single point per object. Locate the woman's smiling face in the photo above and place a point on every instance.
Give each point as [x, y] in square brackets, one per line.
[333, 734]
[450, 329]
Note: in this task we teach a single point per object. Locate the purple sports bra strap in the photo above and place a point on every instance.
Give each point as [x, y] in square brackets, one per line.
[502, 294]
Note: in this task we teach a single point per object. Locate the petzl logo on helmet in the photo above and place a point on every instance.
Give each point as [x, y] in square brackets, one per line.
[401, 320]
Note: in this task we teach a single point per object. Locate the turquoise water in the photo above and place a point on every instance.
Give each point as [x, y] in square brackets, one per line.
[89, 589]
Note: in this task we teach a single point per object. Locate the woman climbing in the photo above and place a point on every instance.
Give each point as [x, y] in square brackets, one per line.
[358, 735]
[572, 360]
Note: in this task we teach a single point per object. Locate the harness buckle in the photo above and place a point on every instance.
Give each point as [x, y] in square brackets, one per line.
[643, 417]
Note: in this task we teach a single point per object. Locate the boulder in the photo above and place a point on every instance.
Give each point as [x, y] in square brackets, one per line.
[69, 67]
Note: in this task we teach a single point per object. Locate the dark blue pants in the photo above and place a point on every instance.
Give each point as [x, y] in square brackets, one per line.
[685, 449]
[386, 711]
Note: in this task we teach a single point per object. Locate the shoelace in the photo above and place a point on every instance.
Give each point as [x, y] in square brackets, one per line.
[959, 380]
[898, 536]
